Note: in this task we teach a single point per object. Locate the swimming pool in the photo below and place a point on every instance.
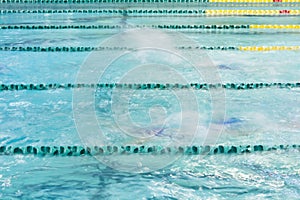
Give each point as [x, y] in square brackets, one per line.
[198, 111]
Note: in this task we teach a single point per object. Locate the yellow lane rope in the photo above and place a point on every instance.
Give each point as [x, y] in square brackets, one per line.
[269, 48]
[251, 12]
[274, 26]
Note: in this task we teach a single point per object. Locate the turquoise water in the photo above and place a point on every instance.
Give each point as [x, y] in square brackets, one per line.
[266, 116]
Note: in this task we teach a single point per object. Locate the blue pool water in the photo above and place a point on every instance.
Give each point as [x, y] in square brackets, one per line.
[267, 116]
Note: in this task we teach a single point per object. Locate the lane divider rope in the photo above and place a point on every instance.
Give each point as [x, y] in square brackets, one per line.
[269, 48]
[149, 86]
[140, 150]
[251, 12]
[171, 27]
[159, 12]
[89, 48]
[143, 1]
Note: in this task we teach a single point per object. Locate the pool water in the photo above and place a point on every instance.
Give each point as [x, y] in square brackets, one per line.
[267, 116]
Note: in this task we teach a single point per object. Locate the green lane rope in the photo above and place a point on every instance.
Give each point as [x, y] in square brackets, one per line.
[88, 49]
[110, 11]
[63, 49]
[139, 150]
[149, 86]
[33, 27]
[102, 48]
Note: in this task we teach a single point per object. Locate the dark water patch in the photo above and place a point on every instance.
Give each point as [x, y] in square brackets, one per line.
[229, 121]
[224, 67]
